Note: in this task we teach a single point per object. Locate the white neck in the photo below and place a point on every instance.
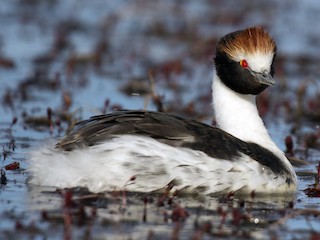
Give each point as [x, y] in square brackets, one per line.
[238, 115]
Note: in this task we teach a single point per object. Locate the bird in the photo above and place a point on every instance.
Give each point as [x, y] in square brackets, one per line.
[147, 151]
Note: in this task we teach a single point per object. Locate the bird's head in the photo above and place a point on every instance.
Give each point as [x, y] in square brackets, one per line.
[244, 60]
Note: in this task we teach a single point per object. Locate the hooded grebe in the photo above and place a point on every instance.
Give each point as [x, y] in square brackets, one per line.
[104, 152]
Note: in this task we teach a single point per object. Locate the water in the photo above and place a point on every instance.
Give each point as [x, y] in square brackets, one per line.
[89, 51]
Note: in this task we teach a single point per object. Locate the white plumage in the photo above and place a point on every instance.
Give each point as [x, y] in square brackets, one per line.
[179, 160]
[109, 166]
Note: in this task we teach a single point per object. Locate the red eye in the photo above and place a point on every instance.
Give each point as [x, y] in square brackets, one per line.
[244, 63]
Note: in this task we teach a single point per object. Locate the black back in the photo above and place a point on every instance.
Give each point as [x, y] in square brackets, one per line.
[168, 129]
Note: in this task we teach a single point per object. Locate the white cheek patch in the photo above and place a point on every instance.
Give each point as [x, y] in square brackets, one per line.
[259, 62]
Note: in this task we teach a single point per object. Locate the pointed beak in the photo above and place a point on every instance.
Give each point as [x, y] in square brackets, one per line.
[263, 77]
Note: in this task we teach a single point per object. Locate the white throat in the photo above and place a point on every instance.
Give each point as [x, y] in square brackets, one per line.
[238, 115]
